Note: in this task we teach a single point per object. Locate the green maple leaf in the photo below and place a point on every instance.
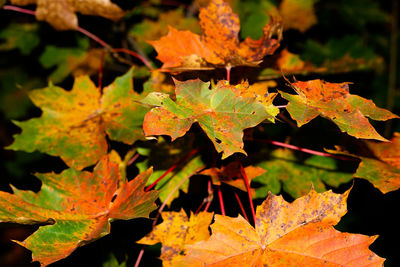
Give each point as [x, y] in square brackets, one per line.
[220, 113]
[24, 37]
[298, 176]
[381, 166]
[79, 205]
[333, 101]
[74, 123]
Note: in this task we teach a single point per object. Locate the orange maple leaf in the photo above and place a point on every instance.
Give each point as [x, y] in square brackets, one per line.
[286, 234]
[176, 231]
[230, 174]
[334, 101]
[219, 45]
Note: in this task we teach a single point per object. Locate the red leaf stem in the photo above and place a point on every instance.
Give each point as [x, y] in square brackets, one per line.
[221, 200]
[94, 38]
[191, 153]
[241, 206]
[20, 10]
[228, 73]
[132, 160]
[246, 181]
[305, 150]
[144, 60]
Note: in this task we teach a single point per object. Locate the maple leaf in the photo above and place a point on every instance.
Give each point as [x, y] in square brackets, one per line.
[79, 60]
[231, 174]
[153, 30]
[257, 91]
[220, 113]
[333, 101]
[382, 168]
[286, 234]
[297, 176]
[219, 45]
[24, 37]
[176, 231]
[61, 13]
[74, 123]
[79, 205]
[297, 14]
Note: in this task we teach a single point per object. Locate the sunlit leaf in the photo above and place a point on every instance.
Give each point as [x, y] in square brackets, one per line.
[78, 205]
[176, 231]
[286, 234]
[218, 45]
[333, 101]
[74, 123]
[220, 113]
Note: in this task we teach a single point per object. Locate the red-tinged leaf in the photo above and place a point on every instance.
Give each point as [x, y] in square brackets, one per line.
[286, 234]
[382, 166]
[79, 205]
[219, 44]
[74, 123]
[181, 49]
[176, 231]
[220, 113]
[230, 174]
[257, 91]
[333, 101]
[61, 13]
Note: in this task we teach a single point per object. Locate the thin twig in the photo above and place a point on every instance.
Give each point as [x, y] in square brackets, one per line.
[241, 206]
[207, 199]
[144, 60]
[191, 153]
[91, 36]
[305, 150]
[132, 160]
[246, 181]
[94, 38]
[139, 50]
[221, 200]
[20, 10]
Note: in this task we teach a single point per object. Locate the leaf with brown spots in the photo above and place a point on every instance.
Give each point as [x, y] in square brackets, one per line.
[220, 113]
[78, 206]
[61, 13]
[382, 166]
[286, 234]
[231, 174]
[219, 45]
[333, 101]
[74, 123]
[176, 231]
[257, 91]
